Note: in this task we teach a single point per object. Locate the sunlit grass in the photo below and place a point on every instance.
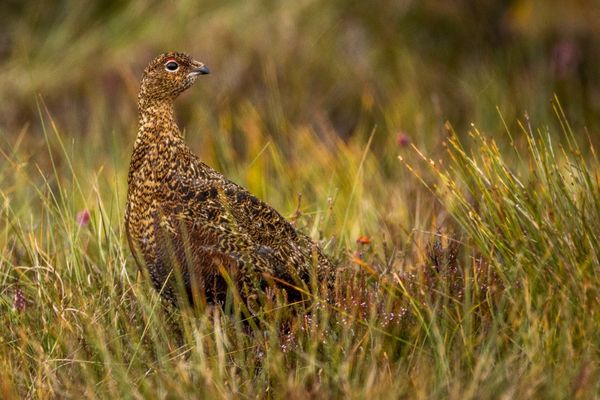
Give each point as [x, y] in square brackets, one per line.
[495, 303]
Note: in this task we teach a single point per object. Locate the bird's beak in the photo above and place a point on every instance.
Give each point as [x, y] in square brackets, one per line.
[200, 69]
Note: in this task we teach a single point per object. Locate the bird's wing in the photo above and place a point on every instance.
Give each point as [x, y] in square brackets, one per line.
[211, 212]
[215, 198]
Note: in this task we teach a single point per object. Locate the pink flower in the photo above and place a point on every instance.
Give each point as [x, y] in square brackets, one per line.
[402, 139]
[83, 218]
[566, 58]
[19, 301]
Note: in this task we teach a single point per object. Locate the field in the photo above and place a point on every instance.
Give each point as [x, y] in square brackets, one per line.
[444, 155]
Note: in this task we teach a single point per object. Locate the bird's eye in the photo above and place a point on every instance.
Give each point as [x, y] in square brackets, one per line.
[171, 66]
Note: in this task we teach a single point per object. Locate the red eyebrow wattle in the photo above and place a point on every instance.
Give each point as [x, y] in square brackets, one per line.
[168, 60]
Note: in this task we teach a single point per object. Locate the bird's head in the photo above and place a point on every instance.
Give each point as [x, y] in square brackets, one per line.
[170, 74]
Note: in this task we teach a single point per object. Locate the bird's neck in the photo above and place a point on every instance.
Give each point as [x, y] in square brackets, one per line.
[157, 120]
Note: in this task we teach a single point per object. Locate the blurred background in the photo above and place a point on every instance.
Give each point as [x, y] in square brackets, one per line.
[347, 66]
[311, 79]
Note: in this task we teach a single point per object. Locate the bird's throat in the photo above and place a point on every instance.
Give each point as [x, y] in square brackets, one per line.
[157, 120]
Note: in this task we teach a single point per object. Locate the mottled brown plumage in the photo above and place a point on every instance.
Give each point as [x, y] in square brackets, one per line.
[182, 215]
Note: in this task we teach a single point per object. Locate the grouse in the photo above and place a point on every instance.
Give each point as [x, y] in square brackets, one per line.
[188, 225]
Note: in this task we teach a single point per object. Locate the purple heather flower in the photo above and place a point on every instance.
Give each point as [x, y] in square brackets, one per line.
[402, 139]
[19, 301]
[566, 57]
[83, 217]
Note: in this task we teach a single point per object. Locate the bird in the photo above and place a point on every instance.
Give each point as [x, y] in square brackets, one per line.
[190, 227]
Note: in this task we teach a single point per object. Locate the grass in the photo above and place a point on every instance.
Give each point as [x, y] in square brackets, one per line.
[499, 302]
[468, 253]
